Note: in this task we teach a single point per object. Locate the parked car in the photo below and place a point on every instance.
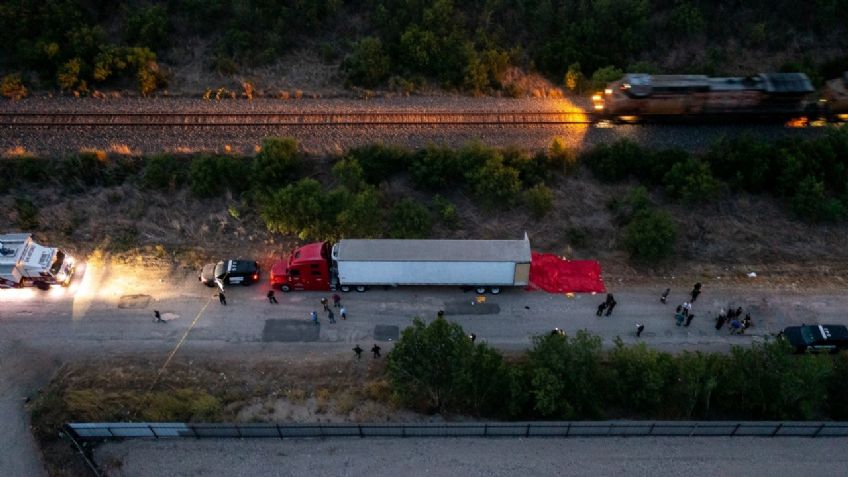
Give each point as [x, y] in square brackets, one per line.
[230, 272]
[817, 338]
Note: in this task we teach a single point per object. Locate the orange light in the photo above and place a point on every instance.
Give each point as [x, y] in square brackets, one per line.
[256, 276]
[596, 97]
[608, 91]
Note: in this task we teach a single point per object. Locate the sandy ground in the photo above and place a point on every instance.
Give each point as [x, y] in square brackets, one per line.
[479, 457]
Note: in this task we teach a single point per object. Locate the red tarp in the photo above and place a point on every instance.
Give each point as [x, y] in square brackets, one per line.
[556, 275]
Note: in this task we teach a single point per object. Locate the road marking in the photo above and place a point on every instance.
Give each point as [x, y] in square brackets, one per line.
[177, 347]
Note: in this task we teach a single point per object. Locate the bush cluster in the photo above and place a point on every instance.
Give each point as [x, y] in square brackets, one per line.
[436, 367]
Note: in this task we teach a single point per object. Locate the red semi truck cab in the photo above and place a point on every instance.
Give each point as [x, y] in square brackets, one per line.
[307, 268]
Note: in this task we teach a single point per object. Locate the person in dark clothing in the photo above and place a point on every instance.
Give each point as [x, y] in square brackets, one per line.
[664, 296]
[440, 314]
[746, 322]
[271, 297]
[601, 309]
[679, 309]
[358, 352]
[473, 337]
[738, 312]
[337, 301]
[610, 307]
[324, 304]
[376, 351]
[222, 298]
[331, 316]
[610, 299]
[720, 321]
[689, 319]
[696, 290]
[157, 317]
[639, 328]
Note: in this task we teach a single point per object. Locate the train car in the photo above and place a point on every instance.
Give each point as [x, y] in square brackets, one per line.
[766, 96]
[835, 99]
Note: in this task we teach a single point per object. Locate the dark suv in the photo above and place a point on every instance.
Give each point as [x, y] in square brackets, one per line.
[230, 272]
[817, 338]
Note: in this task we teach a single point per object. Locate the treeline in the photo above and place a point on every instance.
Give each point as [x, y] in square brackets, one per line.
[437, 368]
[462, 44]
[809, 176]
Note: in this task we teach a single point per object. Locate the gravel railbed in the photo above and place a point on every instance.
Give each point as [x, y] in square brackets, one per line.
[323, 139]
[471, 457]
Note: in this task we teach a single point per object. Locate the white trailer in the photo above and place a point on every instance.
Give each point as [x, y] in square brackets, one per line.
[26, 263]
[482, 264]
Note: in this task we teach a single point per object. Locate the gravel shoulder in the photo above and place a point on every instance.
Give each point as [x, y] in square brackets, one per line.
[479, 457]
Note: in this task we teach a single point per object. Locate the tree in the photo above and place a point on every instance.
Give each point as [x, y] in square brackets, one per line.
[640, 376]
[812, 204]
[428, 366]
[349, 172]
[360, 217]
[495, 183]
[277, 164]
[650, 236]
[409, 220]
[540, 200]
[301, 208]
[368, 65]
[691, 181]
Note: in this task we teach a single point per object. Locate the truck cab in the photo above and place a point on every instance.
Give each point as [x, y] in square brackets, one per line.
[307, 268]
[23, 262]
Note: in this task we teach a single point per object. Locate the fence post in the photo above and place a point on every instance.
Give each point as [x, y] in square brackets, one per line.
[694, 428]
[568, 429]
[361, 435]
[527, 432]
[651, 432]
[155, 435]
[738, 424]
[279, 432]
[776, 429]
[486, 430]
[816, 434]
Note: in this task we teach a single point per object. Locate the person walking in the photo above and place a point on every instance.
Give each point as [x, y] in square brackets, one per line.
[271, 297]
[610, 298]
[376, 351]
[157, 317]
[610, 307]
[687, 307]
[689, 319]
[337, 301]
[314, 316]
[678, 318]
[324, 304]
[358, 351]
[601, 309]
[664, 296]
[696, 290]
[222, 298]
[722, 317]
[639, 328]
[331, 316]
[343, 313]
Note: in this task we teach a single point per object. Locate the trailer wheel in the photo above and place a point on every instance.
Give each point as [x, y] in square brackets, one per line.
[360, 288]
[285, 288]
[480, 290]
[345, 288]
[495, 290]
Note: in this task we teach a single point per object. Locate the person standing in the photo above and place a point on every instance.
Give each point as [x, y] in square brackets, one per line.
[686, 308]
[271, 297]
[324, 304]
[678, 318]
[331, 316]
[337, 301]
[343, 313]
[639, 328]
[376, 351]
[664, 296]
[358, 351]
[473, 337]
[314, 316]
[689, 319]
[696, 290]
[222, 298]
[610, 298]
[601, 309]
[157, 317]
[610, 307]
[722, 317]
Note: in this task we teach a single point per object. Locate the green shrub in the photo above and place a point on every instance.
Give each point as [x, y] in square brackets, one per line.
[368, 65]
[379, 162]
[164, 171]
[409, 220]
[615, 162]
[436, 168]
[562, 158]
[744, 162]
[660, 164]
[361, 215]
[301, 208]
[277, 164]
[650, 236]
[27, 213]
[495, 183]
[349, 173]
[812, 204]
[837, 391]
[532, 170]
[640, 377]
[691, 181]
[37, 170]
[603, 76]
[206, 177]
[446, 211]
[540, 200]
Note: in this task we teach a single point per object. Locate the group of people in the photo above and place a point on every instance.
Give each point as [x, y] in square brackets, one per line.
[608, 305]
[337, 303]
[375, 350]
[736, 322]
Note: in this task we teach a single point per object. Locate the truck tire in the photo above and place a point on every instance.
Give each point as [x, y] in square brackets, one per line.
[480, 290]
[42, 285]
[360, 288]
[345, 288]
[495, 290]
[285, 288]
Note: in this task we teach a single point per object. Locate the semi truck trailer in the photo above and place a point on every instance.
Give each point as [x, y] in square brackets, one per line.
[356, 264]
[23, 262]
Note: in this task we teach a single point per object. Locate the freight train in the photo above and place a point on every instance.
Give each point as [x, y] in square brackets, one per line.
[765, 96]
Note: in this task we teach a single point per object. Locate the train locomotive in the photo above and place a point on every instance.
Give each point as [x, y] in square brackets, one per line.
[765, 96]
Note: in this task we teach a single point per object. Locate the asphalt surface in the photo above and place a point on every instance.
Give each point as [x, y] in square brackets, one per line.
[109, 311]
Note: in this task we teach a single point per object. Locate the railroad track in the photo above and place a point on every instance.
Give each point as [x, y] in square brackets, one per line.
[292, 119]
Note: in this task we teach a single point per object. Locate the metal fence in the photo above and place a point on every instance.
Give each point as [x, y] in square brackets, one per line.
[107, 430]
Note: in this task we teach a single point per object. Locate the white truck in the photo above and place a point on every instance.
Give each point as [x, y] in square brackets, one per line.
[23, 262]
[357, 264]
